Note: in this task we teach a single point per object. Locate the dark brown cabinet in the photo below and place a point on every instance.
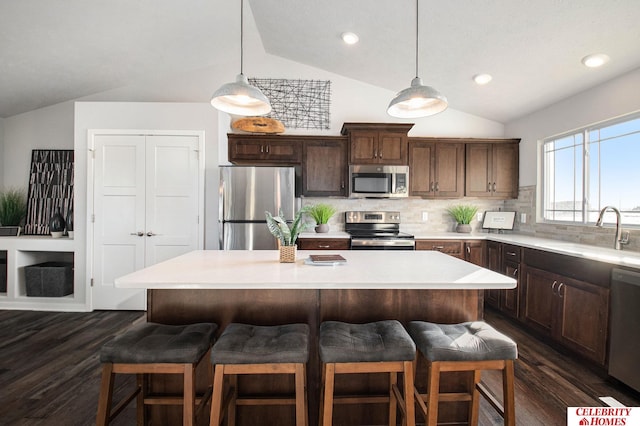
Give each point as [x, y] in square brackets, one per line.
[494, 262]
[324, 167]
[510, 298]
[264, 149]
[323, 243]
[377, 143]
[566, 307]
[474, 252]
[451, 247]
[491, 168]
[436, 169]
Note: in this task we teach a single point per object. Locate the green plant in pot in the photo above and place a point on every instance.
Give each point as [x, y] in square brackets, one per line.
[13, 208]
[286, 233]
[321, 213]
[463, 215]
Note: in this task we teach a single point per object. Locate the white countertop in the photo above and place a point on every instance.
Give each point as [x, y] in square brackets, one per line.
[260, 269]
[622, 257]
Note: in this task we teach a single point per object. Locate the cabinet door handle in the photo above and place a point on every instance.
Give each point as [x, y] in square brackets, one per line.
[560, 294]
[261, 149]
[432, 187]
[342, 185]
[488, 186]
[375, 153]
[494, 187]
[468, 249]
[267, 150]
[438, 247]
[437, 187]
[515, 272]
[511, 253]
[150, 234]
[324, 246]
[553, 287]
[139, 233]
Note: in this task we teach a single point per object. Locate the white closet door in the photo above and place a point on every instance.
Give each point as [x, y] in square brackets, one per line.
[146, 209]
[171, 197]
[118, 219]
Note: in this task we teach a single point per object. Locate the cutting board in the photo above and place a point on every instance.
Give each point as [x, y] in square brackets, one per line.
[258, 125]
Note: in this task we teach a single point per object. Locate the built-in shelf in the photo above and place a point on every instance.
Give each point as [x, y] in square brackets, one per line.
[24, 251]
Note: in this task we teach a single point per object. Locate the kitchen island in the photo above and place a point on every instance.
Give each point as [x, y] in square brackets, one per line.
[253, 287]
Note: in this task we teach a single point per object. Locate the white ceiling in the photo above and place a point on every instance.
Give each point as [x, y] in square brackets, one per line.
[54, 51]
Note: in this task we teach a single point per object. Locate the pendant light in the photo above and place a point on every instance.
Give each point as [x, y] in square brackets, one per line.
[418, 100]
[239, 97]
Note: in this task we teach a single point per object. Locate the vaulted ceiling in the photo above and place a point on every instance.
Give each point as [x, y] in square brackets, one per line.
[54, 51]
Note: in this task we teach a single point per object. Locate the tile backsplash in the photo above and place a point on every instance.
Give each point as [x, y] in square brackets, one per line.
[438, 220]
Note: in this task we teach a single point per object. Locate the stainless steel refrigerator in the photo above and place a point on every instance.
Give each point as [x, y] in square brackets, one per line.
[245, 194]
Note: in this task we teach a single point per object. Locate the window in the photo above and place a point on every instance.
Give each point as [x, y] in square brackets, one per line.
[591, 168]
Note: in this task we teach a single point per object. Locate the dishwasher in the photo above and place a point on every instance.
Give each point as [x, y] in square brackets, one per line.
[624, 342]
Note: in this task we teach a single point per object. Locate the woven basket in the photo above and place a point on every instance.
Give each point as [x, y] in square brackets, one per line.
[288, 254]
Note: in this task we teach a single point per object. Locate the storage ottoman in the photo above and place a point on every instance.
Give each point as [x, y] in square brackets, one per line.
[49, 279]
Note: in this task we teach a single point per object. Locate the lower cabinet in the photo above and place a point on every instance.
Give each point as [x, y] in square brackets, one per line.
[323, 243]
[570, 311]
[471, 250]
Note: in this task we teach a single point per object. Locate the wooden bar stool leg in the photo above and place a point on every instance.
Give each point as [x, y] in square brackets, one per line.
[217, 396]
[301, 395]
[327, 406]
[475, 397]
[231, 408]
[106, 395]
[393, 401]
[509, 393]
[409, 400]
[433, 389]
[189, 395]
[141, 410]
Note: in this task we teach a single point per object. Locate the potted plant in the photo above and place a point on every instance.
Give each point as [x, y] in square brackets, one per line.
[13, 208]
[286, 233]
[463, 215]
[321, 213]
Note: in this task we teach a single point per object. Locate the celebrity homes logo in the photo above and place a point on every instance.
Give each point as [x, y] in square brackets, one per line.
[603, 416]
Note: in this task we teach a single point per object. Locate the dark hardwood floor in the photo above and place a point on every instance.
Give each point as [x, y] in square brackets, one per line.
[50, 372]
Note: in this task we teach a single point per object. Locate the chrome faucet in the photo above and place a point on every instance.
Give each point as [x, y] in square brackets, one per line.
[617, 244]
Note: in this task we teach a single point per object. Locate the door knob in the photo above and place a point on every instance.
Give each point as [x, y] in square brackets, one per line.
[139, 233]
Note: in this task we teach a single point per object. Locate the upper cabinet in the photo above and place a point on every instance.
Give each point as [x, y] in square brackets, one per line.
[264, 149]
[491, 169]
[436, 168]
[324, 167]
[377, 143]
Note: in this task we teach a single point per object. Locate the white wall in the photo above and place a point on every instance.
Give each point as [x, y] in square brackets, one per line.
[611, 99]
[2, 152]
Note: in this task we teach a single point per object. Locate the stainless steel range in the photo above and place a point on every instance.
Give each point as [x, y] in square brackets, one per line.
[377, 230]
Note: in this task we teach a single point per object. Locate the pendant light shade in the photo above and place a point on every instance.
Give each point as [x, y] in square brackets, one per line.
[239, 97]
[417, 100]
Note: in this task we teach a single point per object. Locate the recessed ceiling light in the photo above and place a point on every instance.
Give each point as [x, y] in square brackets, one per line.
[482, 79]
[350, 38]
[596, 60]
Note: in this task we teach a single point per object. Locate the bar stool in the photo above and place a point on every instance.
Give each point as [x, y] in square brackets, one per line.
[377, 347]
[151, 348]
[470, 346]
[251, 349]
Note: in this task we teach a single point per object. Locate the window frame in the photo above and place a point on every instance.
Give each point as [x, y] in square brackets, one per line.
[586, 170]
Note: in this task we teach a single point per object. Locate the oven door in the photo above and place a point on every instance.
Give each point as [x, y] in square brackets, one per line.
[382, 244]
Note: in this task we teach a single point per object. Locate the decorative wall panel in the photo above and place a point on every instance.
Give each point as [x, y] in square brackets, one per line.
[298, 104]
[50, 188]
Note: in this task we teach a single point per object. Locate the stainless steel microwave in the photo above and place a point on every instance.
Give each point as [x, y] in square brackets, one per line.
[377, 181]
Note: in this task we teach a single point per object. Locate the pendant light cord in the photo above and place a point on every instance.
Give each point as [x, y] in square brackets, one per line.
[241, 36]
[417, 38]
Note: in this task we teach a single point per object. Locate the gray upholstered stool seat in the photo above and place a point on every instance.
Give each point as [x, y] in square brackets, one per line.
[469, 346]
[376, 347]
[150, 348]
[468, 341]
[251, 349]
[155, 343]
[375, 341]
[250, 344]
